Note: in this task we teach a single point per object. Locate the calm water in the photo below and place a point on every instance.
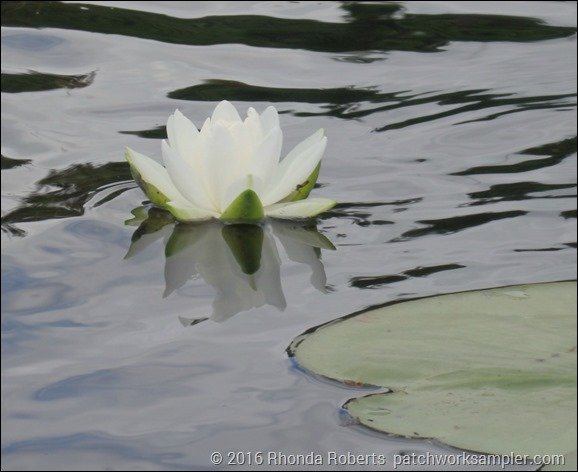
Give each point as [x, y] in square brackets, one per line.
[452, 149]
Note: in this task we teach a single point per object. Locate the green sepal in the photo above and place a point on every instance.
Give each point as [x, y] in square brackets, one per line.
[303, 190]
[246, 243]
[155, 195]
[246, 208]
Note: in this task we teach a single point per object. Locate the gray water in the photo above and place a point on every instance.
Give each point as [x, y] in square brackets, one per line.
[452, 152]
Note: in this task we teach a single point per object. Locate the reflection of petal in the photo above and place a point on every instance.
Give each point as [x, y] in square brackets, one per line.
[310, 256]
[236, 291]
[139, 245]
[182, 250]
[239, 291]
[269, 277]
[244, 267]
[140, 214]
[241, 262]
[301, 245]
[307, 235]
[152, 226]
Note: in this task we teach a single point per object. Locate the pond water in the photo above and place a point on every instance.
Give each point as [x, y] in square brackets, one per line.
[452, 152]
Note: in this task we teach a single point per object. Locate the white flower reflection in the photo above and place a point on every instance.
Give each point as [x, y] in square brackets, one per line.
[241, 262]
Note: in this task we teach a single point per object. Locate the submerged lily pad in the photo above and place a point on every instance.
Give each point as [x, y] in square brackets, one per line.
[491, 371]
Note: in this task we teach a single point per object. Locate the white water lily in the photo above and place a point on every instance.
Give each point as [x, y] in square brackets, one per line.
[231, 169]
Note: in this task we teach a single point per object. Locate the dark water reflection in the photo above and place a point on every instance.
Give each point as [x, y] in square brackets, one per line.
[457, 223]
[365, 27]
[63, 193]
[555, 153]
[452, 152]
[375, 282]
[347, 102]
[9, 163]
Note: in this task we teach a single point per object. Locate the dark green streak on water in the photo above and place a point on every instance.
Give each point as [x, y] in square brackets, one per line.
[159, 132]
[379, 281]
[37, 82]
[214, 90]
[342, 102]
[475, 100]
[516, 191]
[457, 223]
[64, 193]
[381, 27]
[11, 163]
[555, 153]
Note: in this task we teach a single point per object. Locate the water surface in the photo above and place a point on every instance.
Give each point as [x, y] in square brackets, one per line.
[452, 152]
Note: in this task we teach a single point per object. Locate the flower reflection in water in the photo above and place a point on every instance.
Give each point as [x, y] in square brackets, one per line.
[241, 262]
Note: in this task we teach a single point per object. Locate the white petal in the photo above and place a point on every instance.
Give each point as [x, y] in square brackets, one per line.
[239, 185]
[206, 128]
[225, 111]
[252, 126]
[189, 213]
[302, 209]
[222, 163]
[304, 145]
[293, 171]
[242, 145]
[288, 161]
[184, 137]
[186, 178]
[269, 119]
[265, 158]
[249, 136]
[192, 147]
[153, 173]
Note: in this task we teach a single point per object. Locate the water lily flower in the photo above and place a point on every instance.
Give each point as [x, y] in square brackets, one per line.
[231, 169]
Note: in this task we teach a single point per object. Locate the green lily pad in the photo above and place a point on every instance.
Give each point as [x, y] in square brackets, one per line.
[491, 371]
[567, 462]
